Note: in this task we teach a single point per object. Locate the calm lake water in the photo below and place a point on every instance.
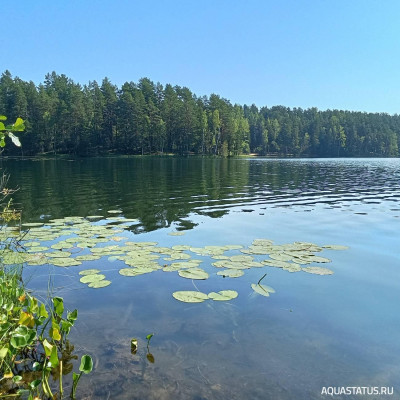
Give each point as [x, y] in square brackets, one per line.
[314, 332]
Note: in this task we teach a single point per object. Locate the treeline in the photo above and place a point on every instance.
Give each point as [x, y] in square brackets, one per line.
[146, 118]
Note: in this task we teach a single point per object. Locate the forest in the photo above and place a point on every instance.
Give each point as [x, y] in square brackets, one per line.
[64, 117]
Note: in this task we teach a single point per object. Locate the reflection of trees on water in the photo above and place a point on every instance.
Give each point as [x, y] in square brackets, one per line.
[161, 191]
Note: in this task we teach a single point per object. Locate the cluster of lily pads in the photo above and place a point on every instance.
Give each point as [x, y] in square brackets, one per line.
[70, 241]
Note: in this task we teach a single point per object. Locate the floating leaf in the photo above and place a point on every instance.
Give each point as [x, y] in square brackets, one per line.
[180, 233]
[99, 284]
[223, 295]
[58, 254]
[114, 211]
[318, 270]
[193, 273]
[180, 247]
[231, 273]
[280, 256]
[135, 271]
[87, 257]
[32, 224]
[64, 262]
[241, 258]
[292, 268]
[92, 278]
[190, 296]
[89, 272]
[264, 290]
[335, 247]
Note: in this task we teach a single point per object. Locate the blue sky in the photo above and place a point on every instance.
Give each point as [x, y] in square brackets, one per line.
[342, 54]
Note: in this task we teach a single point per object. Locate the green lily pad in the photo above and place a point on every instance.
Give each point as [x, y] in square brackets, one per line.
[335, 247]
[180, 233]
[318, 270]
[37, 249]
[223, 295]
[190, 296]
[64, 262]
[135, 271]
[114, 211]
[292, 268]
[193, 273]
[58, 254]
[10, 258]
[99, 284]
[180, 247]
[233, 246]
[94, 216]
[92, 278]
[230, 273]
[29, 244]
[33, 224]
[87, 257]
[280, 257]
[241, 258]
[264, 290]
[89, 272]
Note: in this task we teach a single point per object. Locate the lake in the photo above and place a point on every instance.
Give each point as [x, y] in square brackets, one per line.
[315, 331]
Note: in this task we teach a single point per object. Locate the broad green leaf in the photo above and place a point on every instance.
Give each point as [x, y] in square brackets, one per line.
[89, 272]
[193, 273]
[264, 290]
[3, 117]
[190, 296]
[58, 303]
[72, 316]
[86, 364]
[92, 278]
[318, 270]
[231, 273]
[99, 284]
[223, 295]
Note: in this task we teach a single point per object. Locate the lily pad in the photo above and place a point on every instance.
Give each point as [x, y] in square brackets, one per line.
[89, 272]
[264, 290]
[58, 254]
[193, 273]
[318, 270]
[87, 257]
[180, 233]
[114, 211]
[280, 257]
[33, 224]
[335, 247]
[64, 262]
[92, 278]
[231, 273]
[190, 296]
[135, 271]
[99, 284]
[223, 295]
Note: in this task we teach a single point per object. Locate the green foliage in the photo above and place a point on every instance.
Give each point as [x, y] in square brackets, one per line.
[8, 130]
[33, 335]
[147, 118]
[24, 337]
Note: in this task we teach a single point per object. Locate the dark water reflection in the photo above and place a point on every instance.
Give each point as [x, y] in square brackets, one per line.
[315, 331]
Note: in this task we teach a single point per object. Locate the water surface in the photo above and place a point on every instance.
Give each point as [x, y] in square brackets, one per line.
[315, 331]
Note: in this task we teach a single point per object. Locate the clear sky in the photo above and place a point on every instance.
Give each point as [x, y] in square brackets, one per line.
[342, 54]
